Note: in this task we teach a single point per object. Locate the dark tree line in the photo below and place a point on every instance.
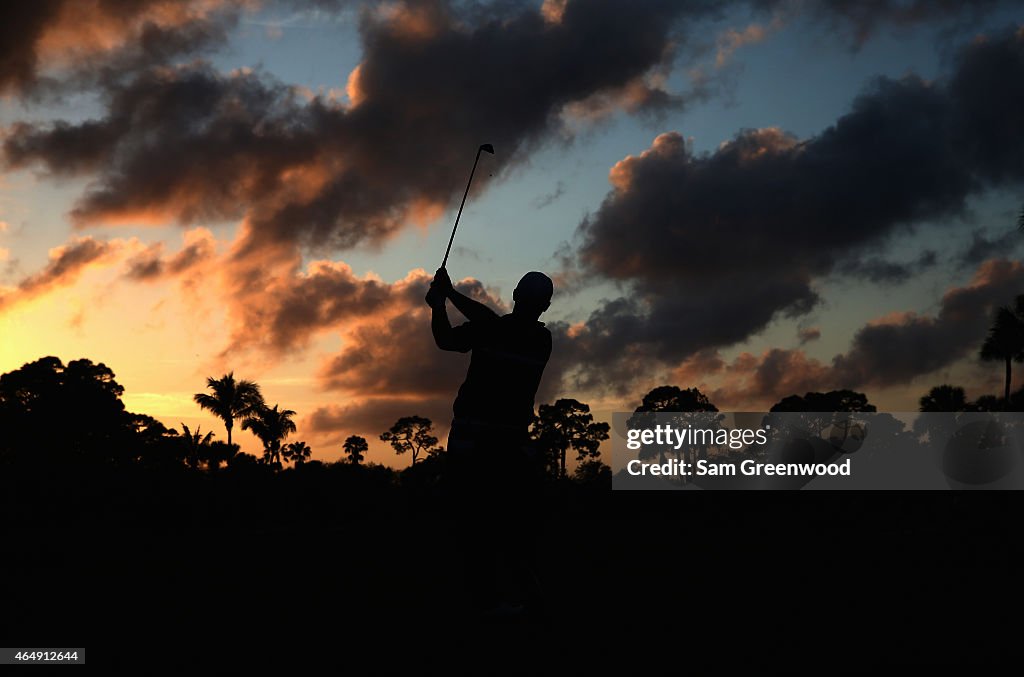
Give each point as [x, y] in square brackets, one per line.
[60, 415]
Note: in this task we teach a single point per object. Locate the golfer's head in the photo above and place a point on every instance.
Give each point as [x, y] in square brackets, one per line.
[533, 293]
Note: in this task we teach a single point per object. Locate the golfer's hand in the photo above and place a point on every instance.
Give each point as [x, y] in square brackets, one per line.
[435, 297]
[442, 282]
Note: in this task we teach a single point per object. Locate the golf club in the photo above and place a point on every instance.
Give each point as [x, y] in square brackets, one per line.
[484, 148]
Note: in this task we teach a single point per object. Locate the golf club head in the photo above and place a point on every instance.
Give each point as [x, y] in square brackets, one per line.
[487, 148]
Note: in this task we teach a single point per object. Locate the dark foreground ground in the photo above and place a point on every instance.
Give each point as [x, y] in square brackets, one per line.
[155, 575]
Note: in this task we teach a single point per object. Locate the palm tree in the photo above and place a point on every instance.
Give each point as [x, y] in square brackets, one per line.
[271, 426]
[1005, 340]
[296, 452]
[231, 399]
[355, 448]
[194, 443]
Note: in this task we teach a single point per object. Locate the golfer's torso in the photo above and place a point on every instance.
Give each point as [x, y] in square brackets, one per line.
[508, 360]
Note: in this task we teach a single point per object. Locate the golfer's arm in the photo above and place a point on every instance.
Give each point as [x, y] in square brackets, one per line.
[473, 310]
[444, 335]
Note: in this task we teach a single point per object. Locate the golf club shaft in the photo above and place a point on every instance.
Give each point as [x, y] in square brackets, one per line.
[459, 215]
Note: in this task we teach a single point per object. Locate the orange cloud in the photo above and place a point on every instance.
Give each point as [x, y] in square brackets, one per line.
[412, 20]
[758, 381]
[84, 28]
[553, 10]
[665, 146]
[199, 247]
[276, 308]
[640, 93]
[66, 264]
[731, 40]
[354, 88]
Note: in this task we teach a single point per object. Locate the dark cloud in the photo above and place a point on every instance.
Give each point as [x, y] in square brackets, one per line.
[66, 263]
[285, 314]
[51, 45]
[889, 351]
[861, 19]
[776, 374]
[668, 319]
[18, 33]
[983, 247]
[190, 144]
[752, 382]
[808, 334]
[581, 360]
[186, 142]
[897, 348]
[884, 272]
[76, 43]
[395, 357]
[713, 246]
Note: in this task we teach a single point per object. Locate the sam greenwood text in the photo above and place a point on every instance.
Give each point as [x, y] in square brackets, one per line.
[748, 467]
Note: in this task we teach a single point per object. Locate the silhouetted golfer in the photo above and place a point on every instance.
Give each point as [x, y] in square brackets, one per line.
[508, 357]
[487, 444]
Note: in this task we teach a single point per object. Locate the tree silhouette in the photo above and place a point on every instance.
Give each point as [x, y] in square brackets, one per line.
[271, 426]
[814, 414]
[74, 413]
[218, 452]
[593, 472]
[194, 443]
[997, 403]
[296, 452]
[412, 434]
[944, 398]
[563, 425]
[989, 403]
[834, 400]
[683, 404]
[673, 398]
[1005, 341]
[230, 399]
[355, 448]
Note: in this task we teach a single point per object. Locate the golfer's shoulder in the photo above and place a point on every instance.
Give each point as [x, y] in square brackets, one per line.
[518, 329]
[542, 336]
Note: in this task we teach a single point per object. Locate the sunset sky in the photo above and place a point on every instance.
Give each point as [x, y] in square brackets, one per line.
[757, 198]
